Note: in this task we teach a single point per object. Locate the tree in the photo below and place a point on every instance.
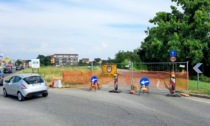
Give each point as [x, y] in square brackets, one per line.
[42, 60]
[82, 63]
[187, 31]
[122, 58]
[47, 61]
[18, 63]
[108, 61]
[97, 61]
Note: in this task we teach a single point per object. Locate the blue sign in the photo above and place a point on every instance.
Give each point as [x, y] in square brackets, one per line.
[94, 79]
[144, 81]
[173, 53]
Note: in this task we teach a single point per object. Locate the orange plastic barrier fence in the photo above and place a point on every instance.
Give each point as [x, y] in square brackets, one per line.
[157, 79]
[78, 77]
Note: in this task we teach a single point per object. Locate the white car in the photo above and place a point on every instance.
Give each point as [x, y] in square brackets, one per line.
[25, 85]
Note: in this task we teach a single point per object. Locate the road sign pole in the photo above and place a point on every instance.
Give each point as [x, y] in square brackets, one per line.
[131, 75]
[196, 68]
[92, 69]
[187, 76]
[173, 66]
[198, 81]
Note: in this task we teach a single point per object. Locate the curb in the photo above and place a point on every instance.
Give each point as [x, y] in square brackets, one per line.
[200, 96]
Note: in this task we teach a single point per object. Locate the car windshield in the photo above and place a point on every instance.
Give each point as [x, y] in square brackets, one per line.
[33, 79]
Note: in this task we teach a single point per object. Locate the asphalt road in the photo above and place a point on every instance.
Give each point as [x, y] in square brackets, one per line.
[8, 74]
[79, 107]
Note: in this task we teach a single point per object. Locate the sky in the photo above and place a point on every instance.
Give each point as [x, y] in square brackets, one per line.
[89, 28]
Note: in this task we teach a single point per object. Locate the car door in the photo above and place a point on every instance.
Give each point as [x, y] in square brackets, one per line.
[8, 86]
[15, 85]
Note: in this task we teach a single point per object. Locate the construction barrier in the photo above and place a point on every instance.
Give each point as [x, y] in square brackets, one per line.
[78, 77]
[157, 73]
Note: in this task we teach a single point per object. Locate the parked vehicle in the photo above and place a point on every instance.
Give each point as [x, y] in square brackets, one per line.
[9, 65]
[25, 86]
[7, 70]
[1, 77]
[22, 67]
[18, 68]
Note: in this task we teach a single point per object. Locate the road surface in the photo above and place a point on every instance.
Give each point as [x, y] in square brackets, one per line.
[79, 107]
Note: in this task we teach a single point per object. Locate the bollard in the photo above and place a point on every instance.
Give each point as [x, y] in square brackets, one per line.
[172, 83]
[115, 82]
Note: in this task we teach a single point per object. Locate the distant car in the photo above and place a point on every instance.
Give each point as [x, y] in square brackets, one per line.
[7, 70]
[22, 67]
[25, 86]
[9, 65]
[1, 77]
[18, 68]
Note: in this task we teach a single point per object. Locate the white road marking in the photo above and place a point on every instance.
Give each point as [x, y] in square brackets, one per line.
[158, 83]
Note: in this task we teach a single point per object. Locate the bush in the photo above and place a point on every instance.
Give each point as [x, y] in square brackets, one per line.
[204, 78]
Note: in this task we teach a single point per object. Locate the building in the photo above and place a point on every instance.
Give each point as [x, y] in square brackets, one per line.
[26, 63]
[65, 59]
[85, 60]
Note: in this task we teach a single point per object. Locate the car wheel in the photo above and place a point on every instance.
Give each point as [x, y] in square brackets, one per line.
[5, 92]
[45, 94]
[20, 97]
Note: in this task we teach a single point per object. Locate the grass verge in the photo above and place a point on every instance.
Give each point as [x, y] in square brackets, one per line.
[203, 87]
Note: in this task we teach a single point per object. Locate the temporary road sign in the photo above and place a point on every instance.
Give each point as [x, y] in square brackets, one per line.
[196, 67]
[7, 60]
[94, 79]
[173, 59]
[144, 81]
[172, 53]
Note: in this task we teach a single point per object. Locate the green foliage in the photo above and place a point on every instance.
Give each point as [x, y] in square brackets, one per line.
[109, 61]
[18, 63]
[202, 78]
[187, 31]
[97, 61]
[44, 60]
[122, 58]
[81, 63]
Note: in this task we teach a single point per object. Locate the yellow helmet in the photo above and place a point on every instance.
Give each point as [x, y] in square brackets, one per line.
[115, 75]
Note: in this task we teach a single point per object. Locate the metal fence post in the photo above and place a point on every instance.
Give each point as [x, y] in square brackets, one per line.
[131, 75]
[92, 69]
[187, 76]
